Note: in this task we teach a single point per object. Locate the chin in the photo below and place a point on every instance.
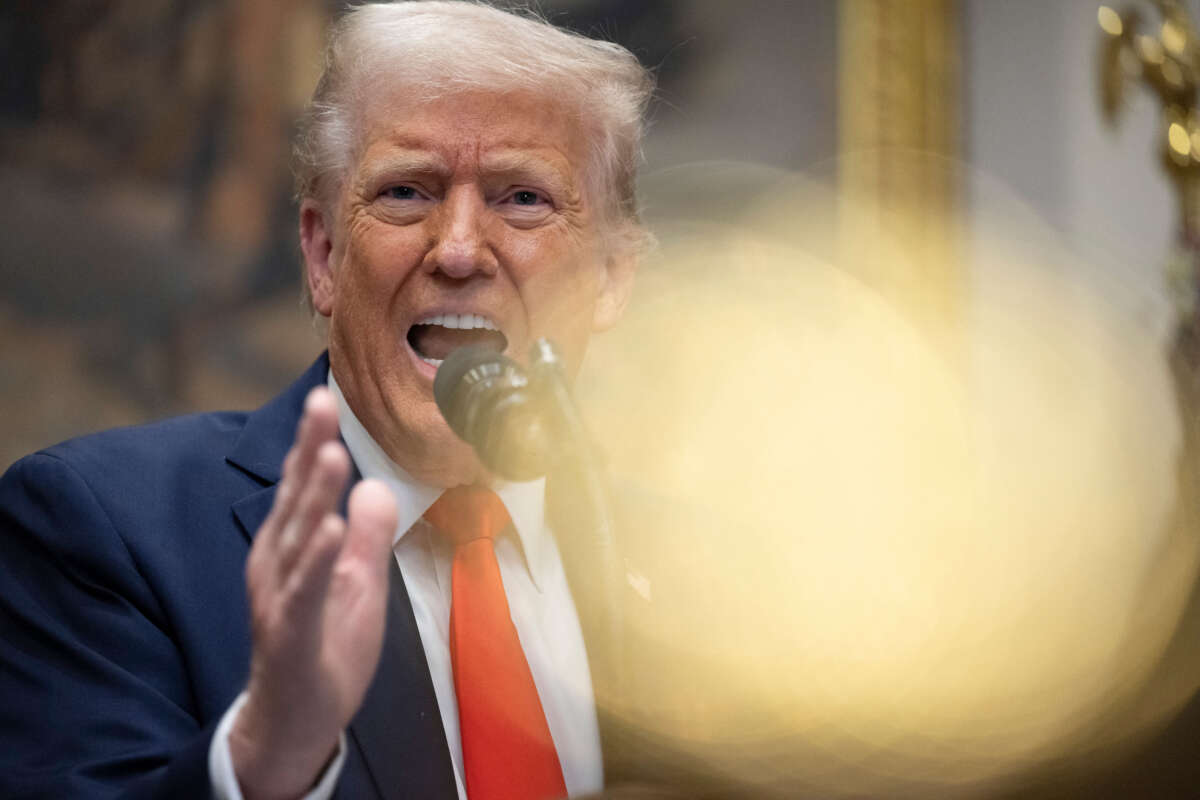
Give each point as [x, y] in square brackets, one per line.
[436, 456]
[459, 469]
[413, 433]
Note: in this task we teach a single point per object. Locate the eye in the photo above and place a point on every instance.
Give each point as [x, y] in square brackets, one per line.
[527, 197]
[400, 192]
[526, 208]
[402, 203]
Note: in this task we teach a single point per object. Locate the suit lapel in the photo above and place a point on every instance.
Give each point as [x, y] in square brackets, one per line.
[251, 511]
[268, 433]
[399, 727]
[265, 440]
[398, 730]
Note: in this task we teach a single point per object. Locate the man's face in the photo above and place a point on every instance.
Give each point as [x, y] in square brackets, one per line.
[465, 220]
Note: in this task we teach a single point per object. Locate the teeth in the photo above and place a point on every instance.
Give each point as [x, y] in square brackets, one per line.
[437, 362]
[460, 321]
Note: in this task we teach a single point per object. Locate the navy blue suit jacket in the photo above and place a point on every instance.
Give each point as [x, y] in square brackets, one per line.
[124, 629]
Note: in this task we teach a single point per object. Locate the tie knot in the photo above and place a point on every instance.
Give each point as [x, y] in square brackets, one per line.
[466, 513]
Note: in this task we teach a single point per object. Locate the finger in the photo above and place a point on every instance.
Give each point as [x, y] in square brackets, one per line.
[320, 412]
[371, 527]
[281, 506]
[318, 498]
[318, 425]
[308, 584]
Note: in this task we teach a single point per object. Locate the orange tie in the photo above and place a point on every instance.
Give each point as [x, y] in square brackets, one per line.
[507, 750]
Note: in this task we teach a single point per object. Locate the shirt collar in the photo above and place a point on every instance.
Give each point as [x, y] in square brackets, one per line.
[525, 501]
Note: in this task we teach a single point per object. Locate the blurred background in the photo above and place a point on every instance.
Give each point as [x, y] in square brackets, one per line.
[970, 223]
[149, 264]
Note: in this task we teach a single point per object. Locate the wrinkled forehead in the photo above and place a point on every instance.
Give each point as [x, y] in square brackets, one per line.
[514, 119]
[457, 123]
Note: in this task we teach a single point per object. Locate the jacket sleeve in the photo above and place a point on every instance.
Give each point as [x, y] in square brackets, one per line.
[95, 699]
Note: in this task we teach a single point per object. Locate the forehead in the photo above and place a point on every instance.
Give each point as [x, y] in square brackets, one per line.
[476, 131]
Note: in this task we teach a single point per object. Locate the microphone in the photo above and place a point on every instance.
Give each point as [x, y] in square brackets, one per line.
[487, 399]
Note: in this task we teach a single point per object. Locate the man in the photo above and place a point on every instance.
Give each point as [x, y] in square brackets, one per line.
[465, 177]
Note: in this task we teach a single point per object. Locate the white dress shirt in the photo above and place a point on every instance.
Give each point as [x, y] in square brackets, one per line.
[539, 600]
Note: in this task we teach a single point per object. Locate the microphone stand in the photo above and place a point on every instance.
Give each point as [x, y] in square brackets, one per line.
[596, 569]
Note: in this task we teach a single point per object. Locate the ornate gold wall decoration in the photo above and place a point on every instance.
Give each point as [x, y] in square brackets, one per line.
[1166, 60]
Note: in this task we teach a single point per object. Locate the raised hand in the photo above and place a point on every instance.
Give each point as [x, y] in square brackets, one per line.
[317, 586]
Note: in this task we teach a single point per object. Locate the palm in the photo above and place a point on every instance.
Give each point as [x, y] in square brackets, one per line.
[317, 586]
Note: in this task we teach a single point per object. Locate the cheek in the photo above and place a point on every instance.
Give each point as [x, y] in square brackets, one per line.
[554, 262]
[376, 264]
[528, 256]
[561, 302]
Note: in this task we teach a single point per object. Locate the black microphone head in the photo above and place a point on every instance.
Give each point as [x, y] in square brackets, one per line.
[449, 386]
[467, 373]
[485, 399]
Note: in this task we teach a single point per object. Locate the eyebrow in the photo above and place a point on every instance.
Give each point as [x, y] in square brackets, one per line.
[406, 162]
[524, 162]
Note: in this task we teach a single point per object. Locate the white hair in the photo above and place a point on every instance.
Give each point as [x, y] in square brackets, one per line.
[428, 48]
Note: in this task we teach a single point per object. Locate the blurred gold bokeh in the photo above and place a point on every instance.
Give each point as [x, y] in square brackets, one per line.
[900, 568]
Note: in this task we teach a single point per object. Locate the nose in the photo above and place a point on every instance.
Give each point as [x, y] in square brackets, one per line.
[460, 245]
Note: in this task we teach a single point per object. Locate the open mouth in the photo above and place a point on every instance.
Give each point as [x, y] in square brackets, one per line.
[436, 337]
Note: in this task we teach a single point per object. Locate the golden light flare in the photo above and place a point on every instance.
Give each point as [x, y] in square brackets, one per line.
[1172, 74]
[1150, 49]
[1194, 139]
[1173, 38]
[901, 565]
[1178, 139]
[1110, 21]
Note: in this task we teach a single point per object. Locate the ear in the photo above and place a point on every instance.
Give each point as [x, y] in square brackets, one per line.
[316, 241]
[615, 289]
